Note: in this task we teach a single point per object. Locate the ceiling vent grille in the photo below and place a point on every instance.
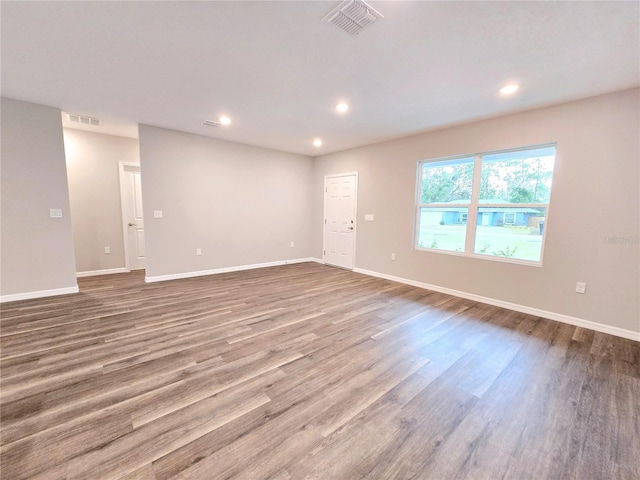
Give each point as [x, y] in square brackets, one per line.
[84, 120]
[211, 123]
[352, 16]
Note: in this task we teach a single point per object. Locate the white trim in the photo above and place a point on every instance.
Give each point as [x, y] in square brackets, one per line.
[38, 294]
[497, 258]
[578, 322]
[108, 271]
[471, 228]
[317, 260]
[480, 256]
[440, 251]
[202, 273]
[345, 174]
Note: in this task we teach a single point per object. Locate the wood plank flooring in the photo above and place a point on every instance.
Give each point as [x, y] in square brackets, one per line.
[307, 372]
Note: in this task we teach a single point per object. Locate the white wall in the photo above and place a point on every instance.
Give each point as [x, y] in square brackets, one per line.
[595, 197]
[241, 205]
[94, 192]
[37, 251]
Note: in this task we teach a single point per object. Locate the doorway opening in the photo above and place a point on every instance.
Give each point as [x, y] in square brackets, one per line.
[132, 216]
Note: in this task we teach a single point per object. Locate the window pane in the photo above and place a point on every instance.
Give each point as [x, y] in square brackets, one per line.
[443, 228]
[514, 232]
[447, 182]
[517, 177]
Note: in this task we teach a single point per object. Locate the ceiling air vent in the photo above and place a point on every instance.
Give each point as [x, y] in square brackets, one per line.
[84, 120]
[352, 16]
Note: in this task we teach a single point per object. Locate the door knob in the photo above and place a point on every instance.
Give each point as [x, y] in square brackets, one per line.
[132, 224]
[350, 228]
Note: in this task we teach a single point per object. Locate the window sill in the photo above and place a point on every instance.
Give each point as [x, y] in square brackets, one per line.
[491, 258]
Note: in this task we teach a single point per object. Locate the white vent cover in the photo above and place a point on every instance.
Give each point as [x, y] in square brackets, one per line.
[352, 16]
[211, 123]
[84, 120]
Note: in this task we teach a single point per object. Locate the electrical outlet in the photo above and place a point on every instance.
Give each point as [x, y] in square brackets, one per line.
[157, 214]
[368, 217]
[55, 213]
[581, 287]
[292, 244]
[198, 251]
[393, 256]
[107, 250]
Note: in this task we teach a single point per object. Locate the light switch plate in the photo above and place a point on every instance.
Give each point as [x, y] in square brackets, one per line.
[368, 217]
[55, 213]
[581, 287]
[157, 214]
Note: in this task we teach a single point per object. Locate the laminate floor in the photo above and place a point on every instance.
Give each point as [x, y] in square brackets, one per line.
[307, 372]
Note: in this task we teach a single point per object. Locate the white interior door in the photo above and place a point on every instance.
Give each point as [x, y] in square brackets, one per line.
[340, 219]
[133, 220]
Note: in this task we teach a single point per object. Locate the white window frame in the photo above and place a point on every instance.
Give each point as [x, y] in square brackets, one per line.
[504, 218]
[473, 208]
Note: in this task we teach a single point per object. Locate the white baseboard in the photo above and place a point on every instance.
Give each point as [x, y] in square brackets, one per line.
[202, 273]
[93, 273]
[578, 322]
[317, 260]
[38, 294]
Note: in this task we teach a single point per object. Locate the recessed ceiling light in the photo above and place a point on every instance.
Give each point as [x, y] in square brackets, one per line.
[317, 142]
[342, 107]
[225, 120]
[509, 89]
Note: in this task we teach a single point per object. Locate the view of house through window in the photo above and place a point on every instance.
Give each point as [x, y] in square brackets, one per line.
[491, 204]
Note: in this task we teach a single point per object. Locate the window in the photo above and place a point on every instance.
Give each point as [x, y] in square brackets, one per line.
[491, 205]
[509, 218]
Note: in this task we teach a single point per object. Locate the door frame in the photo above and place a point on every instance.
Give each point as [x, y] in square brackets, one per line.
[123, 200]
[324, 216]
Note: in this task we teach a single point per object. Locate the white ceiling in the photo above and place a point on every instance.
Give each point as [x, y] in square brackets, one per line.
[277, 69]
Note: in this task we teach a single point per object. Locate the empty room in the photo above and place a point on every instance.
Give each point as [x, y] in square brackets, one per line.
[329, 240]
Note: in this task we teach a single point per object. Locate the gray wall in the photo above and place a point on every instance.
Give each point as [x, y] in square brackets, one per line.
[37, 251]
[242, 205]
[595, 197]
[94, 193]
